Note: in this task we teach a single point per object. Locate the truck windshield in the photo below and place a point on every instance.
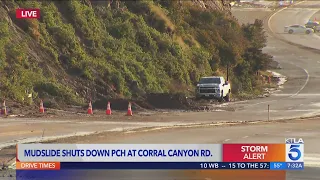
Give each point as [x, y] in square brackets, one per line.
[209, 81]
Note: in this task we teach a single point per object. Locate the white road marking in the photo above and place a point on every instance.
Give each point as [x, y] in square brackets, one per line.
[299, 95]
[304, 110]
[308, 76]
[306, 9]
[245, 137]
[305, 83]
[288, 131]
[12, 166]
[291, 110]
[250, 9]
[312, 160]
[269, 20]
[227, 140]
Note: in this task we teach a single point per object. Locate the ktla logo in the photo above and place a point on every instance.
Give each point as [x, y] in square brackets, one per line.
[294, 150]
[27, 13]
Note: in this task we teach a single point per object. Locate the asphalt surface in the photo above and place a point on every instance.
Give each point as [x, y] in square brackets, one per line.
[299, 97]
[31, 130]
[299, 14]
[255, 133]
[266, 133]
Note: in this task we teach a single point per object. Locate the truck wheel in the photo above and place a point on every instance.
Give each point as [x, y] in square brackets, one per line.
[227, 98]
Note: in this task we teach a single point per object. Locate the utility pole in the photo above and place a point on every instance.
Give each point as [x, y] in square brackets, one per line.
[228, 72]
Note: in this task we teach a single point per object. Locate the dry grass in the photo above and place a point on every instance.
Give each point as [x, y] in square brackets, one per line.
[197, 44]
[192, 40]
[221, 72]
[177, 87]
[158, 11]
[265, 73]
[162, 15]
[181, 42]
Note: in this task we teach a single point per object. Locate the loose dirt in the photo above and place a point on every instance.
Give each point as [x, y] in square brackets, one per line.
[152, 103]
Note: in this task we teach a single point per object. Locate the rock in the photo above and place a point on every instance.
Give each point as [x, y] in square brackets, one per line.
[221, 5]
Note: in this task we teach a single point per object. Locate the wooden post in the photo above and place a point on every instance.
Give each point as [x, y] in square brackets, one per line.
[268, 112]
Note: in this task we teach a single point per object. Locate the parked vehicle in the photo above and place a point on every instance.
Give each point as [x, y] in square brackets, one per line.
[311, 24]
[298, 29]
[315, 25]
[213, 87]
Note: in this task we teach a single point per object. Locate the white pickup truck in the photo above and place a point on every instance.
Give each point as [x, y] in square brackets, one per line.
[213, 87]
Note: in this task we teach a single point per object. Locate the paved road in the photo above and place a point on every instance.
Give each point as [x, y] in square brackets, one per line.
[267, 133]
[299, 14]
[30, 130]
[257, 133]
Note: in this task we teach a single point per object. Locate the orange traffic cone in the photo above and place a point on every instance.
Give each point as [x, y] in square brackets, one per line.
[90, 108]
[129, 113]
[41, 109]
[108, 111]
[4, 108]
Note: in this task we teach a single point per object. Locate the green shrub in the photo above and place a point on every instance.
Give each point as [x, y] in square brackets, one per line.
[59, 91]
[87, 44]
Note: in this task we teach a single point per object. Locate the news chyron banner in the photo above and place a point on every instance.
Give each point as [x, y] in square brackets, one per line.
[63, 161]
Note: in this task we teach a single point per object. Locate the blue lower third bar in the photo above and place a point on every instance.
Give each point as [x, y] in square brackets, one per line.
[165, 165]
[295, 166]
[278, 166]
[287, 166]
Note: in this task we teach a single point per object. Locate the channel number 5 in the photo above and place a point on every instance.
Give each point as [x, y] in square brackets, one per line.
[294, 149]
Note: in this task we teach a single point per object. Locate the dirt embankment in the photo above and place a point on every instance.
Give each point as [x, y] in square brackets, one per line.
[152, 102]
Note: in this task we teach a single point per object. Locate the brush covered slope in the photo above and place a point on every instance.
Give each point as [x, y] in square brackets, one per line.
[81, 50]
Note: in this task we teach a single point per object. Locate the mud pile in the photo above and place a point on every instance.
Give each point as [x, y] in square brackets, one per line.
[152, 101]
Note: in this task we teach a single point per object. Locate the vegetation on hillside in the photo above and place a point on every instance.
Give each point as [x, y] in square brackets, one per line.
[76, 51]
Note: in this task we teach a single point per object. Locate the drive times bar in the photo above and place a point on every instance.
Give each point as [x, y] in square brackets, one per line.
[162, 165]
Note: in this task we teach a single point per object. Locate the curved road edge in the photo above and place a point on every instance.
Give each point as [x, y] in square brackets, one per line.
[136, 130]
[272, 33]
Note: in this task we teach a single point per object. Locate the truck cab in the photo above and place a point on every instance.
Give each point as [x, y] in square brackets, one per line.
[215, 87]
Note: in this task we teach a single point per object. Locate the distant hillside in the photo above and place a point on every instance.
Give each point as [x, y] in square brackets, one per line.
[82, 50]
